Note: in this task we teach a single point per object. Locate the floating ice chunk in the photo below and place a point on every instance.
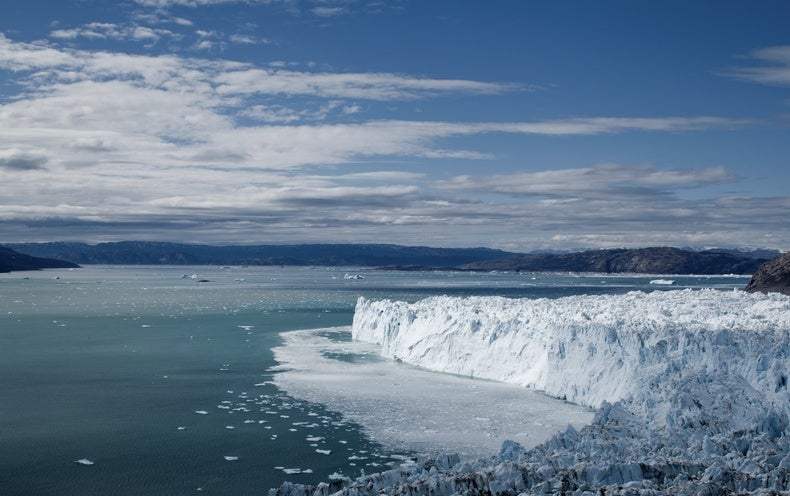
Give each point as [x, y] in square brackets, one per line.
[201, 412]
[664, 282]
[83, 461]
[229, 427]
[291, 471]
[246, 327]
[231, 458]
[323, 452]
[182, 428]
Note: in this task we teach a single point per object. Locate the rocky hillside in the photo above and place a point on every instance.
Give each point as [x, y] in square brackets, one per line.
[661, 260]
[772, 276]
[12, 261]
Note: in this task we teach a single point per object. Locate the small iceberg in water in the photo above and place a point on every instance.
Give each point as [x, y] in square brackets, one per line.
[663, 282]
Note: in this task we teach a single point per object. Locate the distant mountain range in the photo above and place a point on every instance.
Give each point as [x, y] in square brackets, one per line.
[156, 253]
[11, 260]
[660, 260]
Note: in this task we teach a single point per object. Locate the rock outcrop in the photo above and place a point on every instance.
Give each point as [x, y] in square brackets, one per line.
[12, 261]
[772, 277]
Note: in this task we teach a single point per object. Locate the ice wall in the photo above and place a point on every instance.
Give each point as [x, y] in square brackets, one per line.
[592, 349]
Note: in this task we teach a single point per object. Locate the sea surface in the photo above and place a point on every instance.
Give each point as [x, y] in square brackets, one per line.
[152, 380]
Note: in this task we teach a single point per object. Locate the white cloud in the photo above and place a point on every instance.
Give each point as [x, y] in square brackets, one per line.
[369, 86]
[125, 145]
[246, 39]
[102, 30]
[774, 68]
[17, 56]
[328, 11]
[599, 181]
[198, 3]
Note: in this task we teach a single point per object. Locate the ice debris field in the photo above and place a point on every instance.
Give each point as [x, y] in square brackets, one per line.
[690, 391]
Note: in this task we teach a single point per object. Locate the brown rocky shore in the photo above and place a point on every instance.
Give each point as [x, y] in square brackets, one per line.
[772, 277]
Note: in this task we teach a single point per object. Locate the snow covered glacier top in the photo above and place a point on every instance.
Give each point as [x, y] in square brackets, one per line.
[593, 349]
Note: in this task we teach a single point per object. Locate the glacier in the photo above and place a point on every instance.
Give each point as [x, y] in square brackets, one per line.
[690, 389]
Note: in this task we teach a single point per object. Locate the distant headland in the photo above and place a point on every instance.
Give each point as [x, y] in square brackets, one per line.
[11, 261]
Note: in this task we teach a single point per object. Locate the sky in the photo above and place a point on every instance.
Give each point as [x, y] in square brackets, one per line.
[512, 124]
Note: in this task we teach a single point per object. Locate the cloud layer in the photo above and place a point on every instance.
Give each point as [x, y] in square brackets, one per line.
[99, 145]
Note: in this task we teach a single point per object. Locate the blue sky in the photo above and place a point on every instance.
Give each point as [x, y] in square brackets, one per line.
[519, 125]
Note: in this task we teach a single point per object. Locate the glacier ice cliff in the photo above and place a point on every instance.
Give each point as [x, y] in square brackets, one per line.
[691, 391]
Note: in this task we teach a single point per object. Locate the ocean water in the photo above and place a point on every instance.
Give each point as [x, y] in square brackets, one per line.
[163, 377]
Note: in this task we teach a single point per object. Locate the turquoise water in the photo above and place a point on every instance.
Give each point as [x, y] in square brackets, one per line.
[111, 364]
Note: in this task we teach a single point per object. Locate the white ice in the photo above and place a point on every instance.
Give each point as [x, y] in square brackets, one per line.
[690, 388]
[590, 349]
[408, 408]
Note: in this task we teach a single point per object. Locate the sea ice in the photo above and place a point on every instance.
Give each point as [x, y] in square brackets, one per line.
[406, 408]
[83, 461]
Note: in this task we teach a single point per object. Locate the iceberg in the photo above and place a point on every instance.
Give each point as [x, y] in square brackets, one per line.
[690, 390]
